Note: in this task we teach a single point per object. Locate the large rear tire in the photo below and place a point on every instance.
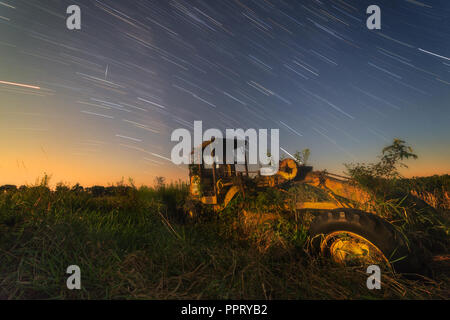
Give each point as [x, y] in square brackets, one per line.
[350, 236]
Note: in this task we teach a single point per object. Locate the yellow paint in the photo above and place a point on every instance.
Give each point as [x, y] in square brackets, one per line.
[348, 247]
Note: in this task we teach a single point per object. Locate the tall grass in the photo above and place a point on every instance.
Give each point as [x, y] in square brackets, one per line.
[137, 244]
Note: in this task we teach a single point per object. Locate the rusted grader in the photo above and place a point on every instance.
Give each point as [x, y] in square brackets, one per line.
[339, 229]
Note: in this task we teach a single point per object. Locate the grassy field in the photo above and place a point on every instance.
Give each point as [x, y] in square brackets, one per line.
[135, 243]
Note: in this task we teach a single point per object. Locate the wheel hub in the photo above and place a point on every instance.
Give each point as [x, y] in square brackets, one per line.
[348, 248]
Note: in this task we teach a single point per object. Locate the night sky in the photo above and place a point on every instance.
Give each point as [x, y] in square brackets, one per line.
[98, 104]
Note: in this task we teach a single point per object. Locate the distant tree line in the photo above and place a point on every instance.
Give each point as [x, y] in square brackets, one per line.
[96, 191]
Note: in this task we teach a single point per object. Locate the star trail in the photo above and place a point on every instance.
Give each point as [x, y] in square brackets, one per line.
[98, 104]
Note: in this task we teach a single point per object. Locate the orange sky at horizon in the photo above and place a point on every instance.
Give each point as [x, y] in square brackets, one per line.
[23, 170]
[98, 105]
